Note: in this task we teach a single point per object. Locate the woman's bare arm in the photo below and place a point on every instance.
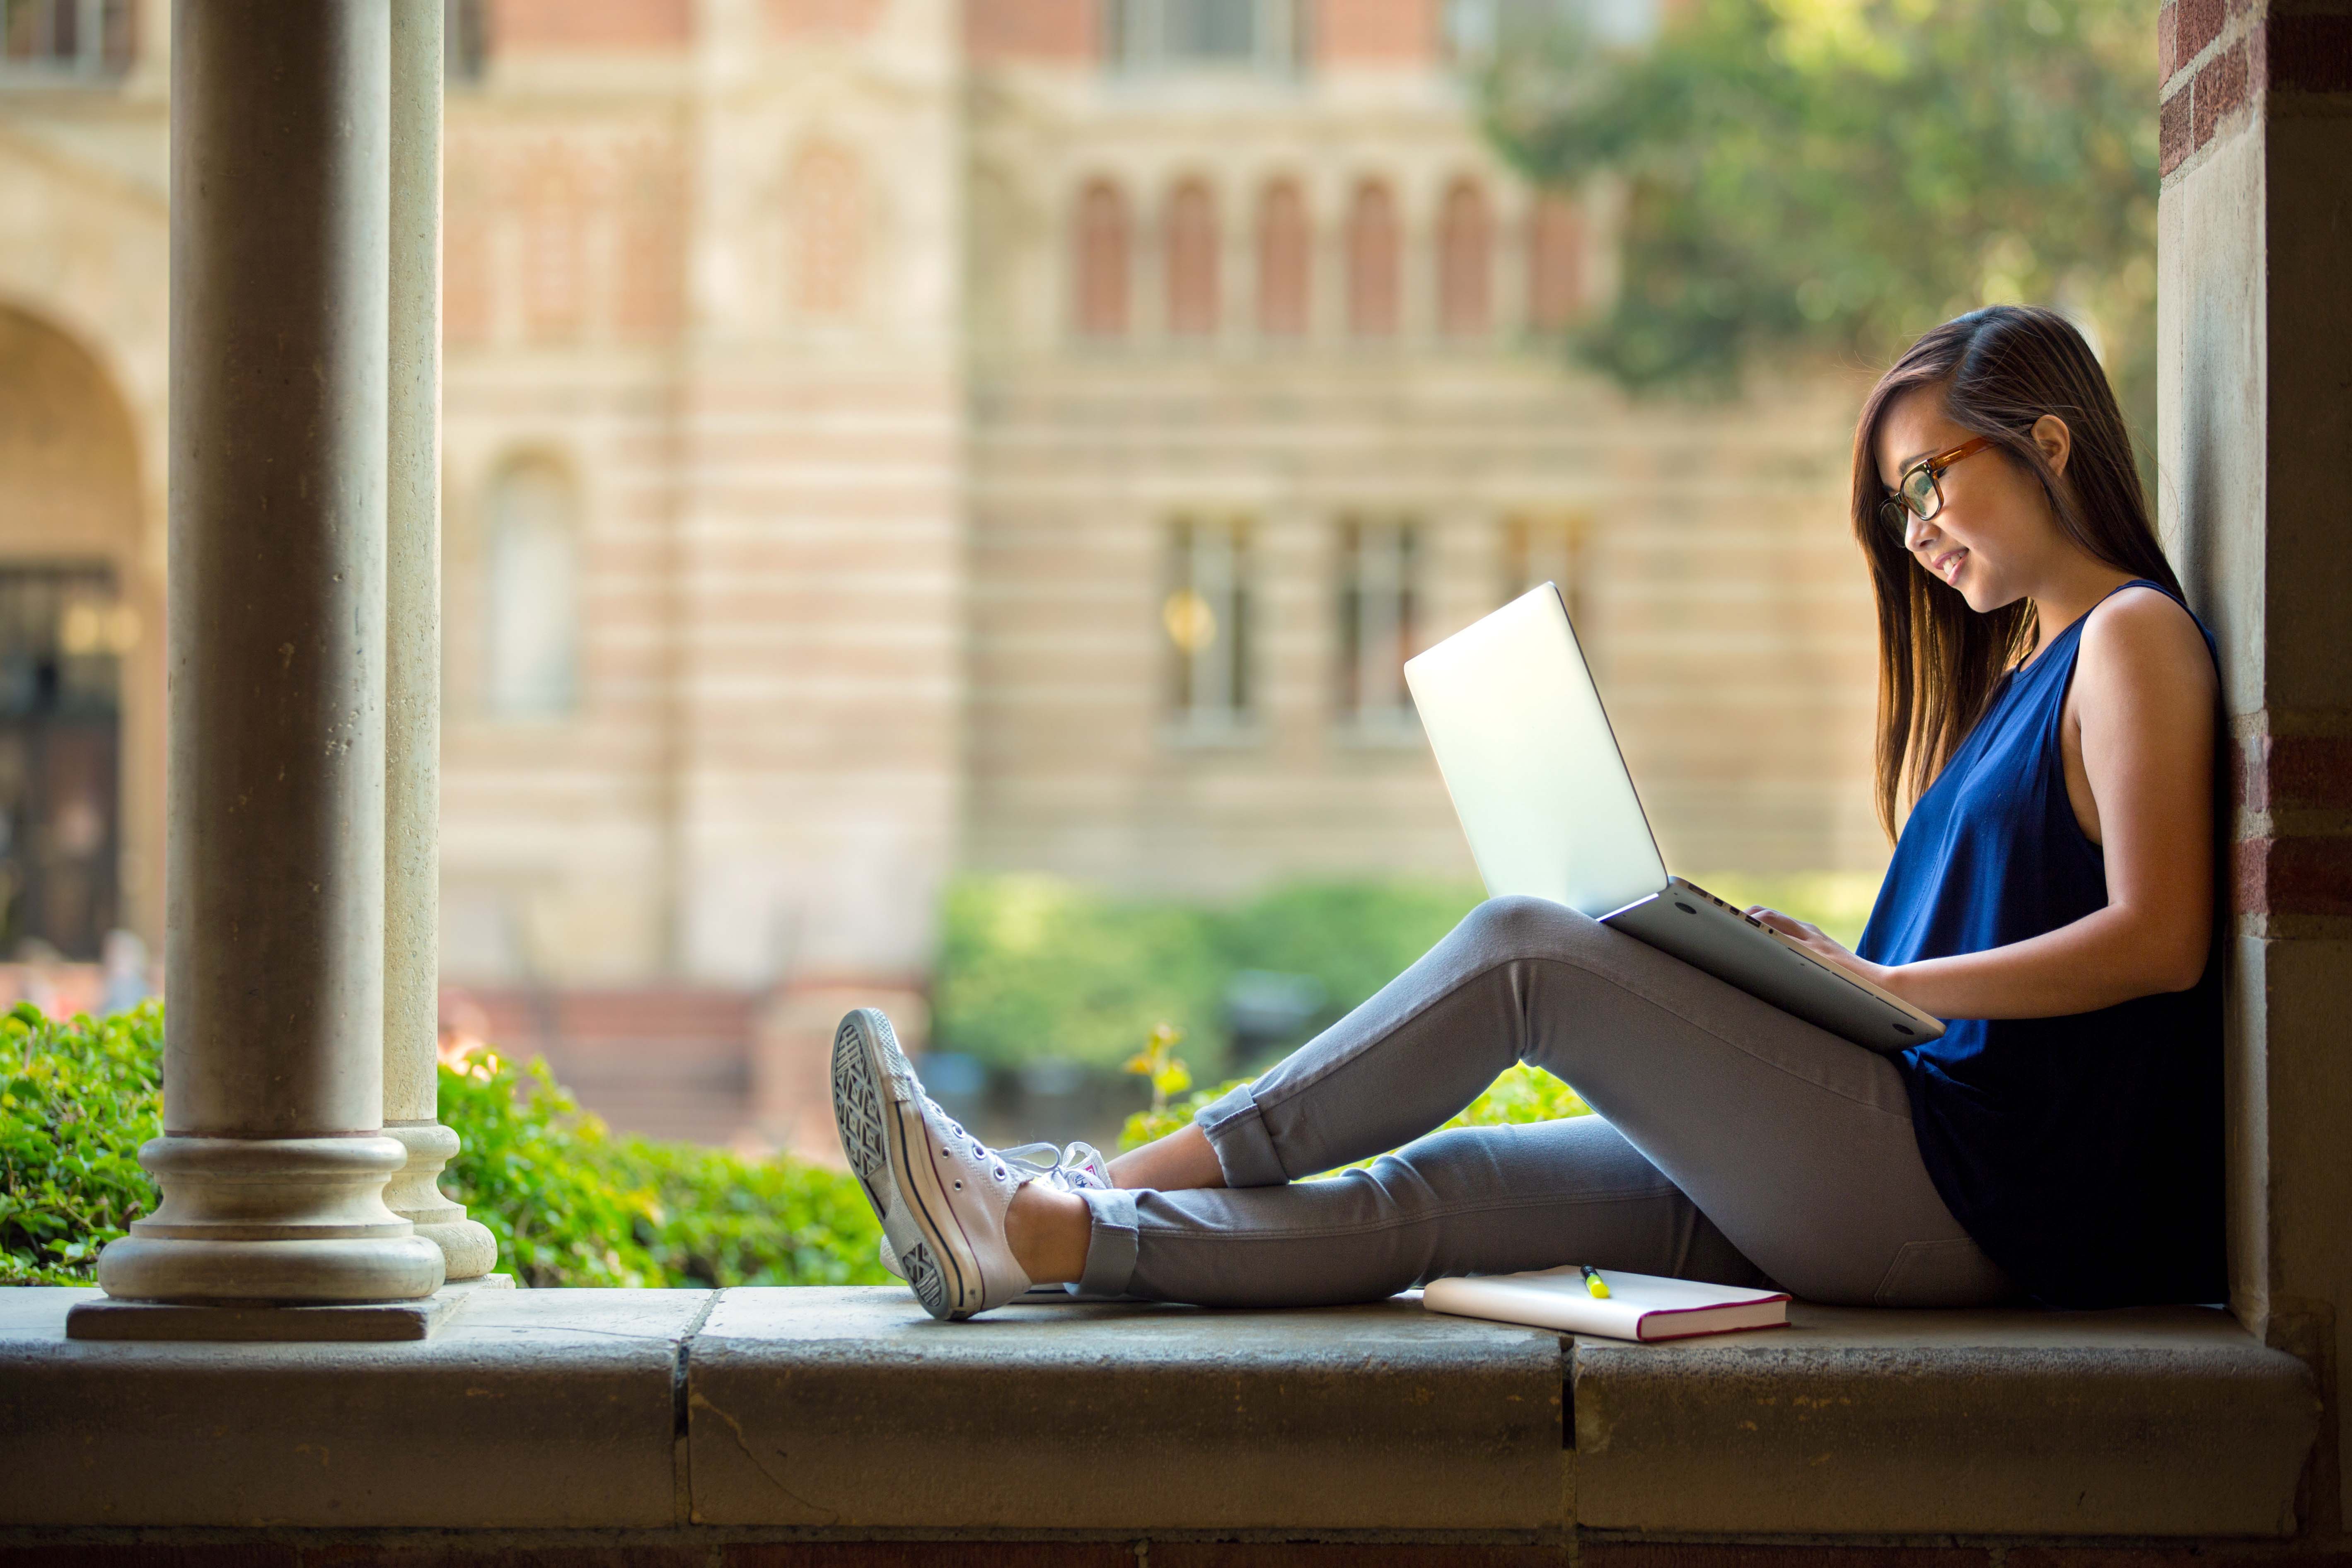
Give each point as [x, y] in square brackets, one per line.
[2140, 717]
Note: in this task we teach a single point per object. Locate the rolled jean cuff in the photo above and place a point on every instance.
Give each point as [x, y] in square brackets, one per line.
[1110, 1241]
[1237, 1132]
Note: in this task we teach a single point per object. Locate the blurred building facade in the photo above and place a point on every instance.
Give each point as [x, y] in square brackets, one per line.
[890, 436]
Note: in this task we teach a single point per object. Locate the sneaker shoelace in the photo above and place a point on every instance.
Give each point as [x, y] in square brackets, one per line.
[1074, 1169]
[1079, 1166]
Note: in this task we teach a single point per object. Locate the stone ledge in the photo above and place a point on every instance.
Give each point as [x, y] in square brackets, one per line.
[842, 1413]
[849, 1408]
[2152, 1422]
[531, 1408]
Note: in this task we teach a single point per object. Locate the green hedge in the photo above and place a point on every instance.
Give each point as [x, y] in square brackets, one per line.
[570, 1203]
[1522, 1094]
[76, 1102]
[1033, 967]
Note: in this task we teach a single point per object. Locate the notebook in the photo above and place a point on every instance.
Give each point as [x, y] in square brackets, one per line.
[1638, 1307]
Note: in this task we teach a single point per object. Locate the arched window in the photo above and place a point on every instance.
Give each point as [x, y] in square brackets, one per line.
[1373, 262]
[1190, 242]
[1101, 247]
[1555, 263]
[554, 249]
[1465, 248]
[1284, 253]
[824, 204]
[650, 297]
[533, 567]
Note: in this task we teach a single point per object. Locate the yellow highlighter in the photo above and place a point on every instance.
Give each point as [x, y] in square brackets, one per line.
[1594, 1282]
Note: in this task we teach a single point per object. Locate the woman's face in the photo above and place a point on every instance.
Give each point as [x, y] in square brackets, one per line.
[1995, 537]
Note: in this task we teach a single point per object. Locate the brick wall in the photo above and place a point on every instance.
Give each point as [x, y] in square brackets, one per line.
[1382, 32]
[2213, 56]
[524, 24]
[666, 1061]
[796, 20]
[2292, 856]
[1060, 32]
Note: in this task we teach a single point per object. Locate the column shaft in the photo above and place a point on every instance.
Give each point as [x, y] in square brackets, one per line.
[411, 807]
[273, 1162]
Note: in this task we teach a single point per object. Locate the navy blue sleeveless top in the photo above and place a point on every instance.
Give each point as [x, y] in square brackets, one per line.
[2083, 1154]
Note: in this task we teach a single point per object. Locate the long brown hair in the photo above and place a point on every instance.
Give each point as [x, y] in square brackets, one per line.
[1999, 370]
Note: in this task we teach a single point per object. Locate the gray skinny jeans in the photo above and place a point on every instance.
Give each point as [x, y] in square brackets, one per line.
[1730, 1143]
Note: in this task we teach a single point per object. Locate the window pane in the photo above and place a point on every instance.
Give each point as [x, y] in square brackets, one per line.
[1205, 617]
[465, 38]
[1542, 550]
[533, 561]
[1379, 611]
[1146, 36]
[1222, 31]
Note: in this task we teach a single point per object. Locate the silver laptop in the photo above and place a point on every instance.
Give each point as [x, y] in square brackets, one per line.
[1550, 810]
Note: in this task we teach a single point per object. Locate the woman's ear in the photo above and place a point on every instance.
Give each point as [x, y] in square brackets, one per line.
[2057, 442]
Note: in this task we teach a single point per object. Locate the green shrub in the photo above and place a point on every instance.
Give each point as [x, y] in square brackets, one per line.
[570, 1203]
[1522, 1094]
[1351, 937]
[77, 1098]
[1033, 967]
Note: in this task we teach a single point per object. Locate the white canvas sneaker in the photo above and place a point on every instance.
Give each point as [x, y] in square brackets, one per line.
[940, 1192]
[1072, 1168]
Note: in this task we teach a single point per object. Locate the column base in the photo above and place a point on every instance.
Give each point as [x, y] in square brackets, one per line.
[468, 1250]
[280, 1221]
[365, 1322]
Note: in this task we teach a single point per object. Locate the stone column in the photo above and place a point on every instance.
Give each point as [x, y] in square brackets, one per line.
[273, 1160]
[2253, 420]
[412, 803]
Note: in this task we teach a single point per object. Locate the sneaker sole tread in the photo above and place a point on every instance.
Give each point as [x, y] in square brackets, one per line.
[884, 1107]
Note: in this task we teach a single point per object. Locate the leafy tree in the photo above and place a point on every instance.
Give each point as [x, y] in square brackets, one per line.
[1836, 177]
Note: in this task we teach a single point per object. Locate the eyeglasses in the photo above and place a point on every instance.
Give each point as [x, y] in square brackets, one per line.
[1919, 492]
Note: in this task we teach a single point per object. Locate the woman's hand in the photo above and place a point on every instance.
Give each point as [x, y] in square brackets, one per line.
[1826, 948]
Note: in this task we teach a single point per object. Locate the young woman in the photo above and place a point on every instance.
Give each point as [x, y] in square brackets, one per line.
[2048, 709]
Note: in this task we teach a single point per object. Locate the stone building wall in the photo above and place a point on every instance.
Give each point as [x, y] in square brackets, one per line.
[816, 468]
[1707, 559]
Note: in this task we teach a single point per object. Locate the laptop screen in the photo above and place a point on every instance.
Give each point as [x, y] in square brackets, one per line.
[1528, 755]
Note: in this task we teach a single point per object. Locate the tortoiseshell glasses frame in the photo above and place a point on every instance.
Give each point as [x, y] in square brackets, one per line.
[1919, 492]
